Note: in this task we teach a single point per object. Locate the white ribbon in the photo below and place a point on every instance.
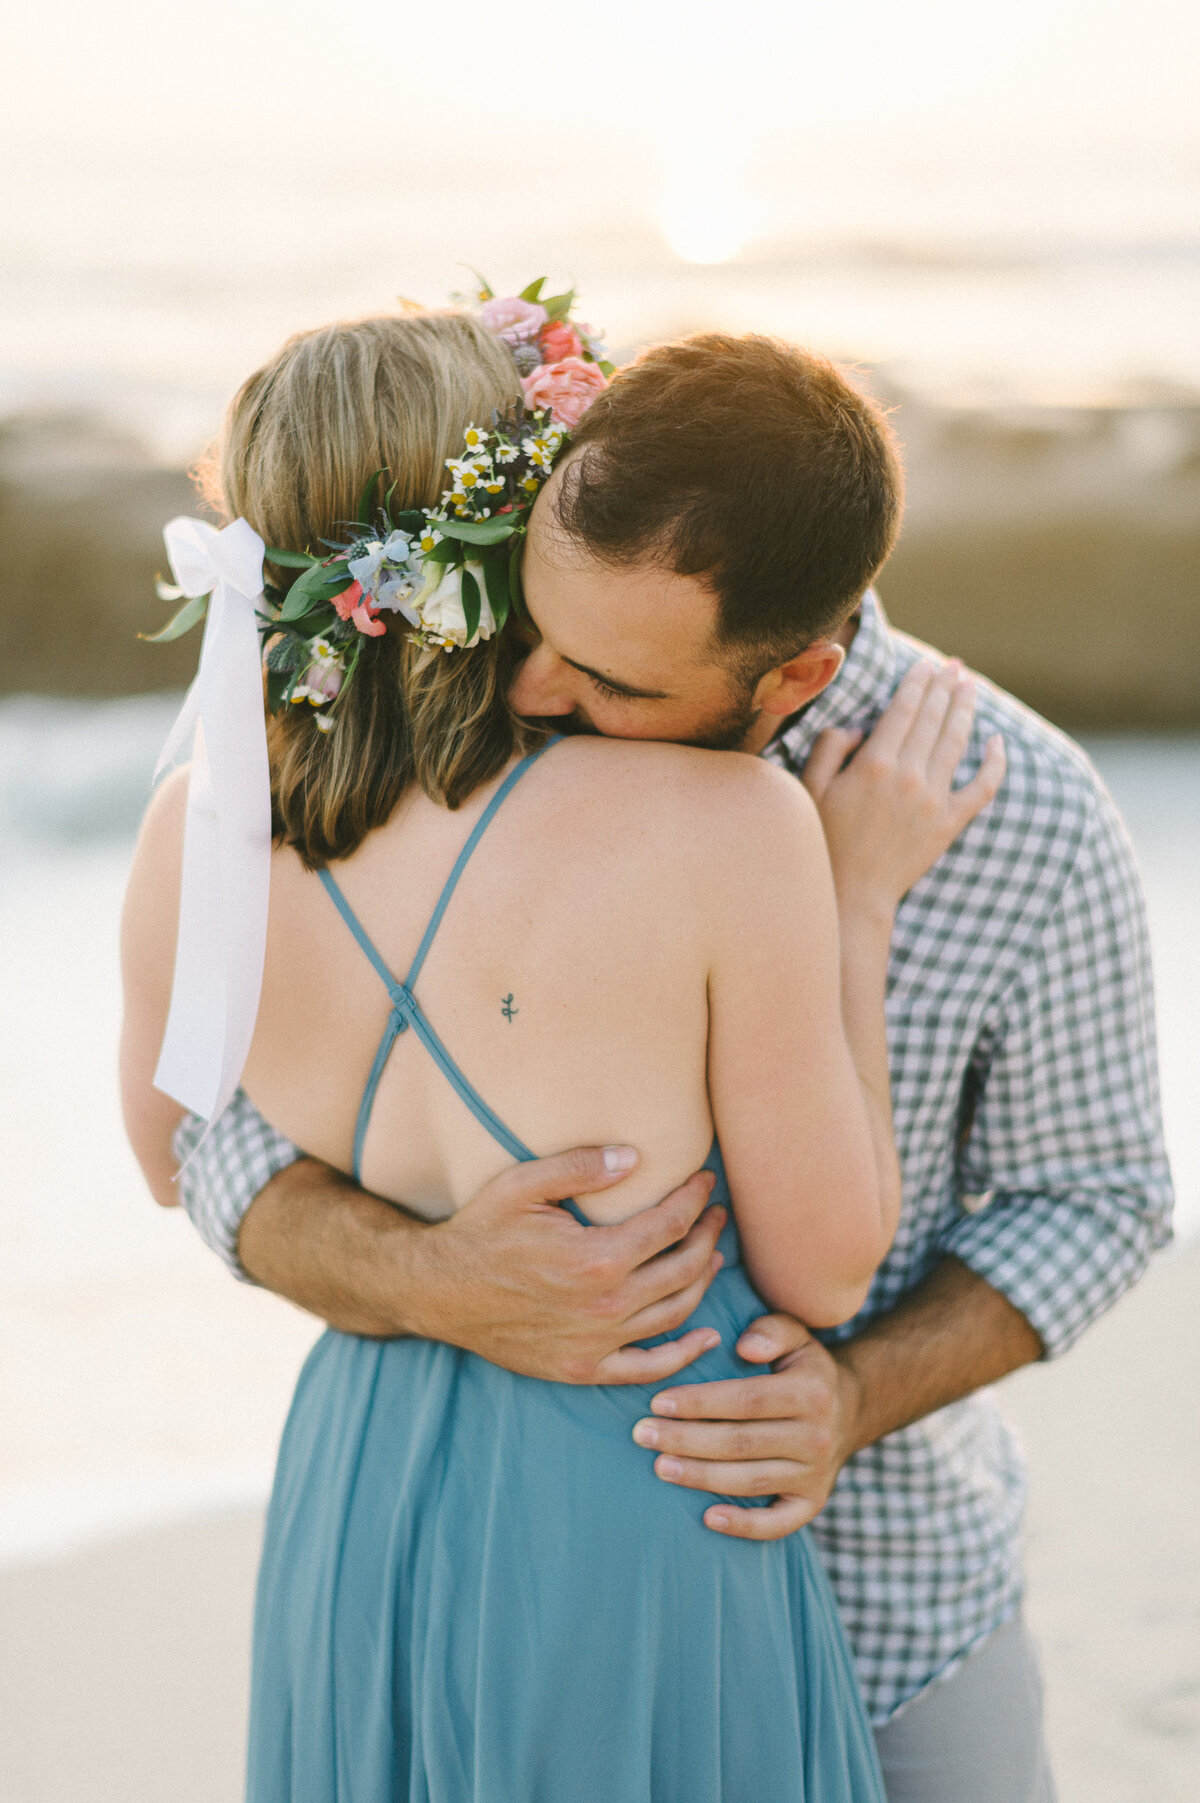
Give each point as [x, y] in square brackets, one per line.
[227, 837]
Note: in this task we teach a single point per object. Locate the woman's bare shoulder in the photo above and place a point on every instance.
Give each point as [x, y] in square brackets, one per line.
[649, 782]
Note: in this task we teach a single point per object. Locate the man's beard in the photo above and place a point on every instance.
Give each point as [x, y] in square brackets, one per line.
[728, 732]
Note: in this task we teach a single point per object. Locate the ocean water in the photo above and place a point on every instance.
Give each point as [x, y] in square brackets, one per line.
[138, 1382]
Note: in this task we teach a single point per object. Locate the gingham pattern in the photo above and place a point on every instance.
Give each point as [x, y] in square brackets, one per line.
[219, 1181]
[1025, 1095]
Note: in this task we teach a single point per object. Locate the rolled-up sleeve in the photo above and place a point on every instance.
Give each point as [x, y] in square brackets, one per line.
[222, 1174]
[1066, 1141]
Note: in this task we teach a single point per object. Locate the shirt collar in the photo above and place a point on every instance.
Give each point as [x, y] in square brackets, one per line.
[858, 693]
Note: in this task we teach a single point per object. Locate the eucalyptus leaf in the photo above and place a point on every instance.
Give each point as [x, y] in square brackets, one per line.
[533, 291]
[320, 582]
[318, 620]
[495, 574]
[363, 516]
[606, 368]
[480, 532]
[515, 592]
[472, 604]
[279, 688]
[290, 560]
[189, 615]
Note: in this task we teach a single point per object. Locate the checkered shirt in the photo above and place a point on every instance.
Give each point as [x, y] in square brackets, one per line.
[1024, 1085]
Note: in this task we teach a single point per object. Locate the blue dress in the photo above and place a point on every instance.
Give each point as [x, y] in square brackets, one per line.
[474, 1589]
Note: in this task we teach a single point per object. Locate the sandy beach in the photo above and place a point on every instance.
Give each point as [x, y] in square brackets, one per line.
[124, 1669]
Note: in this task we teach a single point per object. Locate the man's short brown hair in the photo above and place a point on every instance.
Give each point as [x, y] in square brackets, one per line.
[750, 464]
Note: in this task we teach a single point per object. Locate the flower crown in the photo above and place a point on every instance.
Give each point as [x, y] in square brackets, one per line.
[451, 571]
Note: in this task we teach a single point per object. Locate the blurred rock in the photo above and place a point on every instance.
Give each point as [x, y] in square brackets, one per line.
[1056, 548]
[81, 516]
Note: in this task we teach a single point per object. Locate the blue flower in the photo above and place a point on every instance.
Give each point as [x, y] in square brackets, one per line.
[388, 570]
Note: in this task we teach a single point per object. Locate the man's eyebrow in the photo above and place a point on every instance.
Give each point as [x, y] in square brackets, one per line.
[612, 682]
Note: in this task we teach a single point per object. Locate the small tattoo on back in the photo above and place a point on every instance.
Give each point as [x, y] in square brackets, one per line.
[507, 1009]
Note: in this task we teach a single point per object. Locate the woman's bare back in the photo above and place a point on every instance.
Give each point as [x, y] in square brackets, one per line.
[568, 978]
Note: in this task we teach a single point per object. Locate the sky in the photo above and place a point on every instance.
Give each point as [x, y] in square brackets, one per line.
[181, 185]
[309, 69]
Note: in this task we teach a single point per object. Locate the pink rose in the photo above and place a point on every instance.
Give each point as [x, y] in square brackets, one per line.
[558, 340]
[515, 321]
[567, 388]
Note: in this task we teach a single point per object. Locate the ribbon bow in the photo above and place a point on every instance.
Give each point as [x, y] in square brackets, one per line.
[227, 835]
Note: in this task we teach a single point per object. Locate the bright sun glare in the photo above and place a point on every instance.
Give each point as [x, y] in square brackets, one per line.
[707, 208]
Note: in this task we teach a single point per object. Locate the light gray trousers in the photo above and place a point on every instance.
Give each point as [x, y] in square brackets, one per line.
[977, 1737]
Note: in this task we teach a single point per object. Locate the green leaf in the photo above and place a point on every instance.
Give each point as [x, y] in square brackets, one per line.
[279, 688]
[495, 573]
[472, 604]
[320, 582]
[606, 368]
[484, 287]
[363, 516]
[559, 305]
[318, 620]
[533, 291]
[412, 520]
[189, 615]
[479, 532]
[449, 551]
[290, 560]
[287, 653]
[515, 592]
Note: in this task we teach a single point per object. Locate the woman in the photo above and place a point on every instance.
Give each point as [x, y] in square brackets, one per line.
[473, 1586]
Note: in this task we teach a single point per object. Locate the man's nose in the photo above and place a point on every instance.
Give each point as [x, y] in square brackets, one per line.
[541, 685]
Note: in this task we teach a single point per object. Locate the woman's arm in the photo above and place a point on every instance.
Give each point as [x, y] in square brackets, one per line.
[798, 1065]
[148, 930]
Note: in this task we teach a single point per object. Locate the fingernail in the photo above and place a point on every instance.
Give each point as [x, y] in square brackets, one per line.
[646, 1434]
[664, 1405]
[668, 1468]
[711, 1338]
[755, 1346]
[619, 1158]
[716, 1518]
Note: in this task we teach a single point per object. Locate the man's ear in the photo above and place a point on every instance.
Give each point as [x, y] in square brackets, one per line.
[787, 689]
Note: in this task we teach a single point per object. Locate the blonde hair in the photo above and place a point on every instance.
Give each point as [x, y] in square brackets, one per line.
[301, 439]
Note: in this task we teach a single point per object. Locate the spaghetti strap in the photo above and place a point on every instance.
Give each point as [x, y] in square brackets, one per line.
[464, 857]
[406, 1011]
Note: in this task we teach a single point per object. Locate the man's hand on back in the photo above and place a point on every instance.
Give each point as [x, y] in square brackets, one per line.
[788, 1433]
[510, 1276]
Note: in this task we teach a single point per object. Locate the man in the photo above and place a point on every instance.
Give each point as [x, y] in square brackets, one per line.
[696, 571]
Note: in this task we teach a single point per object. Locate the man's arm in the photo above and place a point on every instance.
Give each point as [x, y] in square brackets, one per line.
[510, 1276]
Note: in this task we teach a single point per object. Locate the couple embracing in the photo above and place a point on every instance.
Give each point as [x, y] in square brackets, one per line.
[692, 865]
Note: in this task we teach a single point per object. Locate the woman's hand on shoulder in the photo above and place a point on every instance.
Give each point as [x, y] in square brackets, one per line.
[888, 804]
